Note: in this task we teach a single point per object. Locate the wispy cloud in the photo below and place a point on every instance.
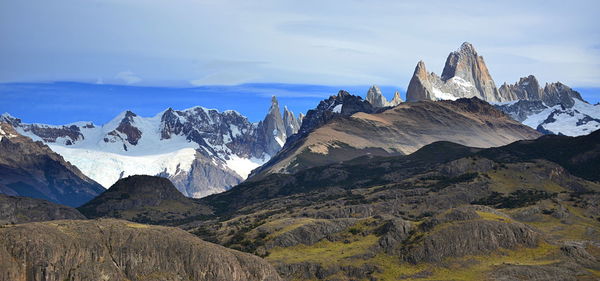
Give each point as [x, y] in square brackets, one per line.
[128, 77]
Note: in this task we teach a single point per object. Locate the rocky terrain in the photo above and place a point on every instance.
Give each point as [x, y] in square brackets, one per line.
[119, 250]
[17, 209]
[32, 169]
[552, 109]
[203, 151]
[145, 199]
[445, 212]
[363, 130]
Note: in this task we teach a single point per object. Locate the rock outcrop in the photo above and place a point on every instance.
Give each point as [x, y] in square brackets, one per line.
[17, 209]
[120, 250]
[376, 98]
[292, 125]
[145, 199]
[32, 169]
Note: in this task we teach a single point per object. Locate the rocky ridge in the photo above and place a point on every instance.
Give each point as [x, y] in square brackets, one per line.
[328, 137]
[32, 169]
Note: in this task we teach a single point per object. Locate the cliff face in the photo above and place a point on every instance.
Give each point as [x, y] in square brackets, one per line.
[119, 250]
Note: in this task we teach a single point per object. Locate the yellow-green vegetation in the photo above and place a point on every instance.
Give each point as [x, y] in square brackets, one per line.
[351, 242]
[282, 226]
[523, 175]
[137, 225]
[464, 268]
[324, 252]
[493, 217]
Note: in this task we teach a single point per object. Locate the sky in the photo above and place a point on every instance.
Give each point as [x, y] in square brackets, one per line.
[62, 103]
[340, 42]
[155, 54]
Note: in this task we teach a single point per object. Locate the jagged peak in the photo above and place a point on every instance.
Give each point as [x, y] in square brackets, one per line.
[343, 93]
[274, 101]
[420, 69]
[467, 47]
[375, 88]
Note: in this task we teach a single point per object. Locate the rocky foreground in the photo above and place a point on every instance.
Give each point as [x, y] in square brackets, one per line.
[119, 250]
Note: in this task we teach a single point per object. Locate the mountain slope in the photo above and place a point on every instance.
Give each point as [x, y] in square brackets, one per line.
[120, 250]
[16, 209]
[144, 199]
[32, 169]
[399, 130]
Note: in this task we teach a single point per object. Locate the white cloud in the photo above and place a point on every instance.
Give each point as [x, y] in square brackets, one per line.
[128, 77]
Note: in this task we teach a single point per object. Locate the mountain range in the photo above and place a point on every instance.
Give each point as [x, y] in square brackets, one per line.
[553, 109]
[203, 151]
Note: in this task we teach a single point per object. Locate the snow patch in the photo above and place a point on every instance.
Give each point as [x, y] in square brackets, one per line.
[243, 166]
[439, 95]
[106, 168]
[337, 108]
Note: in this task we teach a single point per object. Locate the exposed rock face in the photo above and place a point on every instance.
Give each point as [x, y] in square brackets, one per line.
[31, 169]
[465, 75]
[558, 93]
[203, 151]
[376, 98]
[145, 199]
[472, 237]
[120, 250]
[527, 88]
[310, 233]
[127, 129]
[292, 125]
[342, 104]
[399, 130]
[16, 209]
[396, 100]
[272, 129]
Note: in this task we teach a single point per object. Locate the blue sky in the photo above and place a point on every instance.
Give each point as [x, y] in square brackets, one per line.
[67, 102]
[177, 49]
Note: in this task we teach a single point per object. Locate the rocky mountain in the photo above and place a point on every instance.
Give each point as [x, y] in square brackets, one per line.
[17, 209]
[32, 169]
[553, 109]
[144, 199]
[120, 250]
[465, 75]
[203, 151]
[330, 136]
[376, 98]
